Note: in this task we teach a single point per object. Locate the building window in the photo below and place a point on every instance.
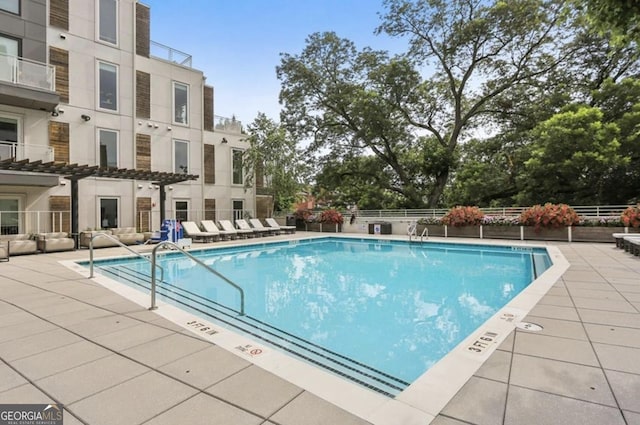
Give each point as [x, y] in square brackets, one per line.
[10, 215]
[180, 156]
[109, 21]
[182, 210]
[12, 6]
[9, 48]
[238, 209]
[108, 213]
[9, 138]
[108, 86]
[238, 177]
[180, 103]
[108, 148]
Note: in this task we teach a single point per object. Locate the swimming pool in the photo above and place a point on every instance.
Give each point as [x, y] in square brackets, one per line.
[376, 312]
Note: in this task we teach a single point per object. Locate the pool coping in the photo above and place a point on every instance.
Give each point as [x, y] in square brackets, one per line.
[423, 399]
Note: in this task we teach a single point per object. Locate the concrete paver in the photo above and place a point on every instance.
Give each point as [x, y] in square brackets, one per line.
[240, 389]
[205, 410]
[205, 367]
[57, 329]
[529, 407]
[480, 401]
[134, 401]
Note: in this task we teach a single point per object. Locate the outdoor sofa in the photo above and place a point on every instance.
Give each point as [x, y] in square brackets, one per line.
[55, 241]
[126, 235]
[20, 244]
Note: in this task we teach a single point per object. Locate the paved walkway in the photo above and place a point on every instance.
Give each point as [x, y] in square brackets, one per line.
[66, 339]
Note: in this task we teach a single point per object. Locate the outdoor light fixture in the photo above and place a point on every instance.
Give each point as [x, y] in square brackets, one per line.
[139, 186]
[85, 117]
[169, 128]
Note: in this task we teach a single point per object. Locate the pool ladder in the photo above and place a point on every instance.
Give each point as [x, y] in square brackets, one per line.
[155, 266]
[412, 230]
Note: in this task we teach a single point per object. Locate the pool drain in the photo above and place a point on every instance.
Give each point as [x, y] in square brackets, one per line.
[527, 326]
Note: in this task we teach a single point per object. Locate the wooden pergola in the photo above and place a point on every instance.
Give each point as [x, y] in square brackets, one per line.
[75, 172]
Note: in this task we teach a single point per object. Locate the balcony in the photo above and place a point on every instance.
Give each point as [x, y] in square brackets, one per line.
[229, 125]
[27, 84]
[166, 53]
[20, 151]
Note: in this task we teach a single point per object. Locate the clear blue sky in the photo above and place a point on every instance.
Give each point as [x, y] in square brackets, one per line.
[237, 44]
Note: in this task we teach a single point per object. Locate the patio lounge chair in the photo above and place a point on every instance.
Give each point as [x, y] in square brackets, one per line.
[243, 225]
[210, 226]
[619, 237]
[226, 225]
[257, 224]
[192, 230]
[632, 244]
[273, 223]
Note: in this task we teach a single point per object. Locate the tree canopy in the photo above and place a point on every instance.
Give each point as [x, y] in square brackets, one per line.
[493, 103]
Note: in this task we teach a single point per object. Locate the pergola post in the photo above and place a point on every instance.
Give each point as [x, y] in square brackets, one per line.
[74, 210]
[163, 198]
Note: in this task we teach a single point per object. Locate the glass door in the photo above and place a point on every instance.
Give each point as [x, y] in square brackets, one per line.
[8, 137]
[9, 216]
[238, 209]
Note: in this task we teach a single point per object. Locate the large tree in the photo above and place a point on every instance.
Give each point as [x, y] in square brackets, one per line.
[474, 52]
[273, 162]
[412, 112]
[620, 18]
[339, 98]
[572, 158]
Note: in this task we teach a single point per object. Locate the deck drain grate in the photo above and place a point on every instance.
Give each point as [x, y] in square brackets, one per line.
[527, 326]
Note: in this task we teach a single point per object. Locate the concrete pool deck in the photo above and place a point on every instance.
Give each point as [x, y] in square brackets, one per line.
[69, 340]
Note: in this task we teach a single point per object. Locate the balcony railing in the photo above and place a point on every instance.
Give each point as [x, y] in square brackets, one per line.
[28, 73]
[160, 51]
[230, 125]
[19, 151]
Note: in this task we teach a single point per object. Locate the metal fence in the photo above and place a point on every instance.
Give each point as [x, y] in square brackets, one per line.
[13, 222]
[594, 211]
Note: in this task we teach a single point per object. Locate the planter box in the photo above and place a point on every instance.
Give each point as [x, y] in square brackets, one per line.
[463, 231]
[560, 234]
[501, 232]
[434, 229]
[597, 234]
[322, 227]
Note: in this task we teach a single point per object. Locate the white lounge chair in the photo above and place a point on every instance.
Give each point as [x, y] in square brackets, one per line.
[226, 225]
[257, 224]
[631, 243]
[210, 226]
[243, 225]
[273, 223]
[192, 230]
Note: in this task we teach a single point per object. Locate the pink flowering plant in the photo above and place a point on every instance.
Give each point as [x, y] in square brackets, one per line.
[463, 216]
[549, 216]
[331, 216]
[501, 220]
[631, 216]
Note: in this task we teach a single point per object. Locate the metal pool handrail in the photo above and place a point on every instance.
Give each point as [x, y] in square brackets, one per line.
[116, 240]
[173, 245]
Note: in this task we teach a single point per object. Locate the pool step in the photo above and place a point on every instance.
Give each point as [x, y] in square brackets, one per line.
[344, 366]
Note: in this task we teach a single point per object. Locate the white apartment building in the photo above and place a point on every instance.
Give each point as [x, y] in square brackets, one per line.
[121, 125]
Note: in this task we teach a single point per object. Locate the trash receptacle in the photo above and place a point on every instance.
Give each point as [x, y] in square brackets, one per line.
[291, 220]
[381, 228]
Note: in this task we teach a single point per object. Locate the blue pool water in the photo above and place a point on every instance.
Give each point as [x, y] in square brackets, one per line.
[377, 312]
